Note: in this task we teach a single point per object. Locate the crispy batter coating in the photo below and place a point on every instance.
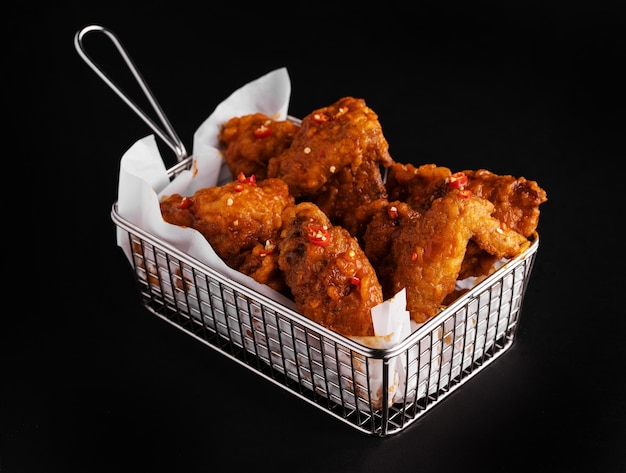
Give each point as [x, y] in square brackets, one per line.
[383, 223]
[426, 252]
[516, 200]
[516, 204]
[348, 190]
[261, 264]
[236, 218]
[477, 262]
[249, 141]
[418, 186]
[330, 277]
[341, 137]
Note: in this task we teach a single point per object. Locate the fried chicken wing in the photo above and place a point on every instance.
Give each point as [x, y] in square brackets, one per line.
[426, 252]
[330, 277]
[249, 141]
[339, 138]
[236, 219]
[516, 200]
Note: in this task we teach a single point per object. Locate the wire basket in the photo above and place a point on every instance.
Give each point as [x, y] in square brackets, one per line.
[377, 391]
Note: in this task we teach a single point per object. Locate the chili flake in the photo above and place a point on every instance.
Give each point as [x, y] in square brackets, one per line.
[262, 131]
[393, 212]
[241, 177]
[269, 248]
[355, 280]
[458, 180]
[185, 203]
[318, 235]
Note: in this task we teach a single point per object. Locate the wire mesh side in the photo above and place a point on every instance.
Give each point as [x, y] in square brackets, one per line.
[375, 391]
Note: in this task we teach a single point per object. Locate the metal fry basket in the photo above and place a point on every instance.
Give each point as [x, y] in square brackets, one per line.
[379, 392]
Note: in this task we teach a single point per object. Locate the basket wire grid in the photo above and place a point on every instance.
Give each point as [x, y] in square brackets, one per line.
[377, 391]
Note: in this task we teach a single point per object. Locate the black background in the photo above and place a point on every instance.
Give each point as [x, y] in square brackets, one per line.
[92, 382]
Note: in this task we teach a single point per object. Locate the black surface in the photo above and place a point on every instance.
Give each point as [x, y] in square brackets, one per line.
[91, 382]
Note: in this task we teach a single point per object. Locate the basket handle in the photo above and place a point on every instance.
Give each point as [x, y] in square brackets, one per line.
[169, 136]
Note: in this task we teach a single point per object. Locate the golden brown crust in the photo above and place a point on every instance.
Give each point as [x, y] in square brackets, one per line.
[249, 141]
[426, 251]
[516, 200]
[340, 136]
[234, 218]
[330, 277]
[417, 185]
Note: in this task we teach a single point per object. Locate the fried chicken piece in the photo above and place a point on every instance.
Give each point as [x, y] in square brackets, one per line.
[418, 186]
[261, 264]
[235, 219]
[331, 279]
[340, 138]
[383, 221]
[427, 252]
[249, 141]
[516, 200]
[477, 262]
[348, 190]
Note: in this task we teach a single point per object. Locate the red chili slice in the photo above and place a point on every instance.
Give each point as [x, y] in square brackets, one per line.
[457, 180]
[392, 212]
[185, 203]
[355, 280]
[269, 248]
[318, 235]
[262, 131]
[241, 177]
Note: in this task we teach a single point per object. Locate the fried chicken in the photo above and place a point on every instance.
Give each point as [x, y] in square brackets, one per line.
[330, 277]
[249, 141]
[516, 204]
[516, 200]
[383, 221]
[241, 220]
[426, 251]
[335, 159]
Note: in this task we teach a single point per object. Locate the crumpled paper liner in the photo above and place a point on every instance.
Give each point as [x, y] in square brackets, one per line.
[144, 180]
